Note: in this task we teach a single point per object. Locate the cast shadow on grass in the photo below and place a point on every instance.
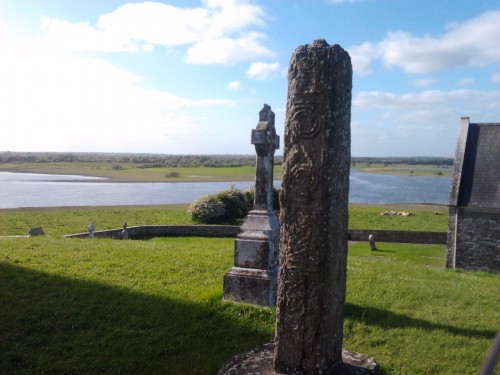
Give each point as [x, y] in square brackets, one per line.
[383, 251]
[57, 325]
[389, 320]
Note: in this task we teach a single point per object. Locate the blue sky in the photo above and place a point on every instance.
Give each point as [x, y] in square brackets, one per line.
[189, 77]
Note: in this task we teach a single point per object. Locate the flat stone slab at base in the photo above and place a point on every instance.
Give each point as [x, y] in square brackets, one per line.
[260, 362]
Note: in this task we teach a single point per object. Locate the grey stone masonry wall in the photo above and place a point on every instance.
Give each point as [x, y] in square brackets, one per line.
[147, 231]
[478, 245]
[394, 236]
[474, 205]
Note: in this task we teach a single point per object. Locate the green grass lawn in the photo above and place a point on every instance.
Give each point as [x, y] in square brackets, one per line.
[66, 220]
[73, 306]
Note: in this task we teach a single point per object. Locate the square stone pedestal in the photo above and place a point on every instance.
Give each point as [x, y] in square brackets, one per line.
[248, 285]
[253, 278]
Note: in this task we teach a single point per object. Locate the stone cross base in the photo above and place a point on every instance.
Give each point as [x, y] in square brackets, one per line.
[253, 278]
[260, 361]
[248, 285]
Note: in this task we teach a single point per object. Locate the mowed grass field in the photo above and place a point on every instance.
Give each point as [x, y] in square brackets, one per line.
[80, 306]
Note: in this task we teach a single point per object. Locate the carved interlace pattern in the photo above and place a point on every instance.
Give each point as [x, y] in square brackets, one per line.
[313, 244]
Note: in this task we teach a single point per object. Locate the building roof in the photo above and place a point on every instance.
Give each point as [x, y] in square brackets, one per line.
[476, 175]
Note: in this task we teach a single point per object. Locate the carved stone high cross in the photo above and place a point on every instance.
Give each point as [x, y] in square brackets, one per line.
[254, 276]
[266, 142]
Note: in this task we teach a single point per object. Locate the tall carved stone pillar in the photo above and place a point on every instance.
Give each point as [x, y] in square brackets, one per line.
[253, 278]
[314, 203]
[313, 216]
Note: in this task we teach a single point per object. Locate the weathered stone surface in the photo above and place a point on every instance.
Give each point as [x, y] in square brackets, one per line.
[398, 236]
[148, 231]
[260, 362]
[256, 246]
[314, 238]
[37, 231]
[474, 205]
[248, 285]
[477, 244]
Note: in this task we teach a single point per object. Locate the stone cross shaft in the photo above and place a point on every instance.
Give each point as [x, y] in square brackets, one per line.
[313, 217]
[266, 142]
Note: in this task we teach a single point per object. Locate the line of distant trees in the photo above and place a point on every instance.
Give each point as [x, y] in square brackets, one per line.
[173, 161]
[143, 160]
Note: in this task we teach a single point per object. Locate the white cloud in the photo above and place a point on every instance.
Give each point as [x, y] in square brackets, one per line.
[466, 81]
[430, 98]
[406, 124]
[234, 85]
[263, 71]
[362, 55]
[66, 103]
[232, 16]
[422, 82]
[472, 43]
[228, 50]
[495, 78]
[217, 33]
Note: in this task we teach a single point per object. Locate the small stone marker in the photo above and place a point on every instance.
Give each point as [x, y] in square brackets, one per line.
[124, 234]
[91, 229]
[37, 231]
[253, 278]
[371, 241]
[314, 236]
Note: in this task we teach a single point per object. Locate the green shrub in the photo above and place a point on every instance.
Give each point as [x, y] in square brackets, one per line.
[117, 167]
[207, 209]
[250, 196]
[235, 204]
[172, 175]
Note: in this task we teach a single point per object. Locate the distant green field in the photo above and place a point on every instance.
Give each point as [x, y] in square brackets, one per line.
[129, 172]
[134, 173]
[405, 169]
[80, 306]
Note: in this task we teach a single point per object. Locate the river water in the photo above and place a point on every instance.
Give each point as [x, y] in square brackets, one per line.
[42, 190]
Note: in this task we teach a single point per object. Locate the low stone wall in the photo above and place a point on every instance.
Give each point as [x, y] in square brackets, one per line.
[399, 236]
[148, 231]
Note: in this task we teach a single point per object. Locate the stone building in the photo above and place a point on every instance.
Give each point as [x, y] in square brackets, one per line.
[474, 205]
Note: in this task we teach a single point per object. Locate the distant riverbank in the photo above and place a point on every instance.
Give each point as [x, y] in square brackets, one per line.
[132, 173]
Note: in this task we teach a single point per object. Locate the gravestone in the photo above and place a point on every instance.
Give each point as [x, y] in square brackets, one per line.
[253, 278]
[371, 241]
[124, 233]
[91, 229]
[37, 231]
[313, 218]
